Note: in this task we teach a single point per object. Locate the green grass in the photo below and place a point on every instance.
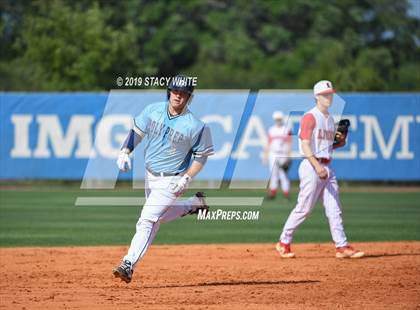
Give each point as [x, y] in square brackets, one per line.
[50, 218]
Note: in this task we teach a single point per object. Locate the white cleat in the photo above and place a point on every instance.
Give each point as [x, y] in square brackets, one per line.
[348, 252]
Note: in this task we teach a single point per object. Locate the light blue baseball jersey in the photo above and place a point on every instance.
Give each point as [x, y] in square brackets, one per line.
[171, 141]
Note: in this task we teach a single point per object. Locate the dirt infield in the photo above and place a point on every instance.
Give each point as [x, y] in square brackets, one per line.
[245, 276]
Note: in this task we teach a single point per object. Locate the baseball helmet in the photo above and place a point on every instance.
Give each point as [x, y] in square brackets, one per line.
[181, 83]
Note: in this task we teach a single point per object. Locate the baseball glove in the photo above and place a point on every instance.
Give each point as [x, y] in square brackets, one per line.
[286, 165]
[342, 127]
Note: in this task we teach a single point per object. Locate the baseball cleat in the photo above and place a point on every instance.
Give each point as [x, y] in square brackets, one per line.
[201, 196]
[124, 271]
[284, 250]
[348, 252]
[271, 195]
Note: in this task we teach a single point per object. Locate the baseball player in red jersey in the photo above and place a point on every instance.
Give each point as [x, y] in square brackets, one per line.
[317, 179]
[278, 154]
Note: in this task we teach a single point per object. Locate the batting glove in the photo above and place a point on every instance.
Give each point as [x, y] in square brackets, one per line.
[181, 186]
[124, 161]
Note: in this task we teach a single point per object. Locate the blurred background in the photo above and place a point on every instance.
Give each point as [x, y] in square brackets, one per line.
[361, 45]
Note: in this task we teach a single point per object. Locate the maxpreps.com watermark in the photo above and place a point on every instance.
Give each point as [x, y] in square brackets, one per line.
[153, 81]
[228, 215]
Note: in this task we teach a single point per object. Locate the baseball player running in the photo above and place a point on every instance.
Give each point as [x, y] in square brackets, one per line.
[317, 180]
[278, 153]
[177, 147]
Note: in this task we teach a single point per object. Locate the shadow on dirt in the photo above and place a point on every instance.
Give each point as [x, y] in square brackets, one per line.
[237, 283]
[390, 255]
[367, 256]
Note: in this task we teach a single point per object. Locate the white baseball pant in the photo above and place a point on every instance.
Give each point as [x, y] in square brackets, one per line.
[312, 189]
[275, 162]
[161, 206]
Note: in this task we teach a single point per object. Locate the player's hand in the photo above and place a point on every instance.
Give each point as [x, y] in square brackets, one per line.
[322, 172]
[124, 161]
[178, 188]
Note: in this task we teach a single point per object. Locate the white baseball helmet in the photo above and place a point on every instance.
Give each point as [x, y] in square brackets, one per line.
[323, 87]
[277, 115]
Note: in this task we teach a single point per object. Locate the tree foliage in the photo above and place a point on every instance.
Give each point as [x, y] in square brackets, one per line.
[361, 45]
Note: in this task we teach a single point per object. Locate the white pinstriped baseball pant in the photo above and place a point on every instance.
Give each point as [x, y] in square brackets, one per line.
[312, 189]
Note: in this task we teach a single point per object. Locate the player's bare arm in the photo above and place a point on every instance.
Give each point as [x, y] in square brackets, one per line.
[307, 151]
[196, 167]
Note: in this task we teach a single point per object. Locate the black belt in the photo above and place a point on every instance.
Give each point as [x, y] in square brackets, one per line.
[162, 174]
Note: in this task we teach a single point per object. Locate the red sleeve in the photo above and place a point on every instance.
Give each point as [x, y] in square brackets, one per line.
[307, 125]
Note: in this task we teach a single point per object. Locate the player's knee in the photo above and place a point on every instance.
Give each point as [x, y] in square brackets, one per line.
[144, 224]
[303, 207]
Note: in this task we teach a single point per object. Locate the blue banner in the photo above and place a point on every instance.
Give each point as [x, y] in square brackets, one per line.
[78, 135]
